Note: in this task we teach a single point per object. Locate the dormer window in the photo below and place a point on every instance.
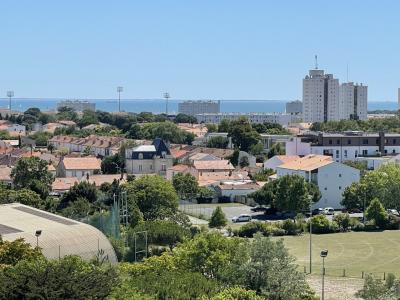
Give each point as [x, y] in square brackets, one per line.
[163, 154]
[140, 156]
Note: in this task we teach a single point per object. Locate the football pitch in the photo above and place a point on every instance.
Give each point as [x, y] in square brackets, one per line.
[350, 253]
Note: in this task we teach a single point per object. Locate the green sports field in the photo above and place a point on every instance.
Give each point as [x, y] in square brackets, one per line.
[355, 252]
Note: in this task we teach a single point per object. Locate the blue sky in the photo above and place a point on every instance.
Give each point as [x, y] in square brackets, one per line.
[195, 49]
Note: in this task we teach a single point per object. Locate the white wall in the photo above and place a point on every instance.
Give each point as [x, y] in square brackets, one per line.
[296, 147]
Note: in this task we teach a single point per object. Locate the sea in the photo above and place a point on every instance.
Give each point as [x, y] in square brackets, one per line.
[158, 105]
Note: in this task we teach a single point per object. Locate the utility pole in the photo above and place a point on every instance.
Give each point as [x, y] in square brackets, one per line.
[120, 89]
[166, 96]
[10, 94]
[310, 198]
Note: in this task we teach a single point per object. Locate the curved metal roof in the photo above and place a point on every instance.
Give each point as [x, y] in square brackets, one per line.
[59, 237]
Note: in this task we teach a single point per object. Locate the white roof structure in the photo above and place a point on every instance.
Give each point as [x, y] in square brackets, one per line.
[60, 236]
[145, 148]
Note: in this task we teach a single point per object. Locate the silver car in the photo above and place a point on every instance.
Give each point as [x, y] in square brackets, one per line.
[241, 218]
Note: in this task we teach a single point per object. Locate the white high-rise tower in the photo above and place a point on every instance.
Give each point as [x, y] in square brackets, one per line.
[320, 97]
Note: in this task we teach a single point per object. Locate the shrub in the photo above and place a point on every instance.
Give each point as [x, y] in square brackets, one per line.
[376, 212]
[320, 224]
[334, 226]
[393, 223]
[343, 221]
[218, 218]
[290, 227]
[249, 229]
[358, 227]
[278, 231]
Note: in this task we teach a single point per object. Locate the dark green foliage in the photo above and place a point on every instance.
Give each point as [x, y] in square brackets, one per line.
[112, 164]
[276, 149]
[234, 158]
[263, 175]
[66, 113]
[23, 196]
[218, 142]
[379, 289]
[167, 131]
[41, 138]
[218, 218]
[343, 221]
[67, 278]
[242, 134]
[212, 128]
[80, 190]
[153, 195]
[185, 185]
[391, 124]
[320, 224]
[12, 252]
[182, 118]
[376, 212]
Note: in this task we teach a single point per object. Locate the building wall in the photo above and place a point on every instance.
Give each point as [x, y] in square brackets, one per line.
[255, 118]
[296, 147]
[148, 166]
[331, 180]
[353, 101]
[193, 108]
[294, 107]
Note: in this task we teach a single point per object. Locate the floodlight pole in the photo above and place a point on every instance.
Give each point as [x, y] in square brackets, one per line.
[324, 253]
[120, 89]
[310, 198]
[166, 96]
[10, 94]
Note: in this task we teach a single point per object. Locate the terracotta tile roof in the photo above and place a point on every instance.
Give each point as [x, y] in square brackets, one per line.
[178, 153]
[63, 184]
[246, 186]
[287, 158]
[179, 168]
[82, 163]
[98, 180]
[5, 173]
[213, 165]
[307, 163]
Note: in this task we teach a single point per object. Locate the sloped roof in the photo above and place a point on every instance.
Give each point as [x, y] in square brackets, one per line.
[5, 173]
[60, 236]
[179, 168]
[308, 163]
[82, 163]
[213, 165]
[287, 158]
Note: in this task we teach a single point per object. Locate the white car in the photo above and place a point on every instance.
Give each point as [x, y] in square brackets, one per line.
[329, 211]
[241, 218]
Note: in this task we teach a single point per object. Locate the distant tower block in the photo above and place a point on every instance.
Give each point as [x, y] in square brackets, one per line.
[398, 98]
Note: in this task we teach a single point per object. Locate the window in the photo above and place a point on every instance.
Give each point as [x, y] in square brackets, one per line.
[140, 168]
[330, 142]
[356, 154]
[340, 175]
[365, 152]
[140, 156]
[365, 141]
[326, 189]
[340, 187]
[345, 153]
[151, 167]
[348, 142]
[337, 153]
[394, 141]
[164, 167]
[394, 151]
[338, 142]
[74, 173]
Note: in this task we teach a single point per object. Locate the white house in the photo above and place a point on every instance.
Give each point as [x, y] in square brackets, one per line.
[78, 166]
[330, 176]
[278, 160]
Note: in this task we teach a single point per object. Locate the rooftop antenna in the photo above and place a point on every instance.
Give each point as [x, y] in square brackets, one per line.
[316, 62]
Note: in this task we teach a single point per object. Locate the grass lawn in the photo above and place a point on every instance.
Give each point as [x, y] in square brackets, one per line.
[371, 252]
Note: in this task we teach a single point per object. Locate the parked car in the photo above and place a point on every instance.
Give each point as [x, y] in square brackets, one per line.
[258, 208]
[241, 218]
[329, 211]
[393, 212]
[318, 211]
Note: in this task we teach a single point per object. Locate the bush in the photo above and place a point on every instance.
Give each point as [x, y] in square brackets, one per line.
[393, 223]
[358, 227]
[320, 224]
[249, 229]
[334, 226]
[278, 231]
[218, 218]
[290, 227]
[376, 212]
[343, 221]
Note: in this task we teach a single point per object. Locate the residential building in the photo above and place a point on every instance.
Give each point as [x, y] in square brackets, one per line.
[149, 159]
[345, 146]
[59, 237]
[193, 108]
[270, 139]
[97, 145]
[236, 191]
[353, 100]
[77, 105]
[254, 117]
[80, 167]
[278, 160]
[330, 176]
[294, 108]
[320, 97]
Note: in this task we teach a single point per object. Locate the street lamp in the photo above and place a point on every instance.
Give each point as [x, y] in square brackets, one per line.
[166, 96]
[324, 253]
[10, 94]
[310, 230]
[37, 234]
[120, 89]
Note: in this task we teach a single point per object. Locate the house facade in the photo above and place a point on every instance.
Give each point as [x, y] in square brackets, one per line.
[149, 159]
[78, 167]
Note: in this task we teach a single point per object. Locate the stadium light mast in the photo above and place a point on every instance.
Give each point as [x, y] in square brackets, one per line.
[166, 96]
[10, 94]
[324, 254]
[120, 89]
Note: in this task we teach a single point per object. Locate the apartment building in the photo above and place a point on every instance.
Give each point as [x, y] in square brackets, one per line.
[345, 146]
[330, 176]
[294, 108]
[193, 108]
[353, 100]
[149, 159]
[254, 118]
[320, 97]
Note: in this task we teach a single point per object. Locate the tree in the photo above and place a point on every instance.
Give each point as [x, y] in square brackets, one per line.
[11, 252]
[263, 175]
[218, 142]
[112, 164]
[66, 113]
[182, 118]
[379, 289]
[78, 209]
[154, 196]
[276, 149]
[78, 191]
[243, 135]
[266, 267]
[134, 132]
[244, 161]
[67, 278]
[88, 117]
[343, 220]
[234, 158]
[212, 128]
[224, 125]
[257, 149]
[185, 185]
[266, 195]
[376, 212]
[32, 173]
[235, 293]
[218, 218]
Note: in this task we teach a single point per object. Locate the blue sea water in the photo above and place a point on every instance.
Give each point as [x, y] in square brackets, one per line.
[158, 105]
